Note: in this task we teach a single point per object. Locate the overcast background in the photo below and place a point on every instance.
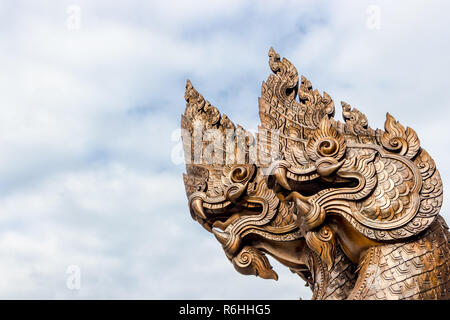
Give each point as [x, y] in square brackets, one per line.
[88, 110]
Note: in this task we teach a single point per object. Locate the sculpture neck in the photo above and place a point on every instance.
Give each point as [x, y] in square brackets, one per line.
[334, 284]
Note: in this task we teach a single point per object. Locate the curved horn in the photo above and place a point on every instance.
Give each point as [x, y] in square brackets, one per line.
[197, 206]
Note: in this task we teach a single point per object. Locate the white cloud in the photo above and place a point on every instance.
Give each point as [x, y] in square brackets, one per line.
[129, 236]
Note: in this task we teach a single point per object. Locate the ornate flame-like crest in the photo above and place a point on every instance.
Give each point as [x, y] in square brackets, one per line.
[352, 210]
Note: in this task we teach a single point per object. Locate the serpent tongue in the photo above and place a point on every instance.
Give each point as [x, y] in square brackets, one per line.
[251, 261]
[223, 225]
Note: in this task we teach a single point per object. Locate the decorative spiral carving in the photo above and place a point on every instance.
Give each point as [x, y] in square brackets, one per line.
[251, 261]
[326, 234]
[398, 140]
[325, 142]
[245, 258]
[239, 174]
[327, 147]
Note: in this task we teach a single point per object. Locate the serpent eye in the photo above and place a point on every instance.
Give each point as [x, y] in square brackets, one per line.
[239, 174]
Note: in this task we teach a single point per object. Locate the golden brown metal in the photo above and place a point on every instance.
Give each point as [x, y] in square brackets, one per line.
[353, 211]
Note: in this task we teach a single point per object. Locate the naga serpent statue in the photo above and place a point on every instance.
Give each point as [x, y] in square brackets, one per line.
[352, 210]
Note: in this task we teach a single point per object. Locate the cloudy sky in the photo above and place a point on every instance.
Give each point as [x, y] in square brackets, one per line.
[92, 91]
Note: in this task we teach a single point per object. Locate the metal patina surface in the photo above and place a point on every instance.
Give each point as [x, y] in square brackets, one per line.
[352, 210]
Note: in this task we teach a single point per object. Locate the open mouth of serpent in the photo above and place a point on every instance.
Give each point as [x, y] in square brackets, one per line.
[224, 217]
